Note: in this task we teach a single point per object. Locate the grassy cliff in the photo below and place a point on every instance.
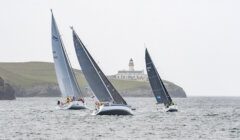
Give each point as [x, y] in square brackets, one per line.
[31, 77]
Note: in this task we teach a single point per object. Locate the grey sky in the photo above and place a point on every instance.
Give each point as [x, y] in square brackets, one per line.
[195, 44]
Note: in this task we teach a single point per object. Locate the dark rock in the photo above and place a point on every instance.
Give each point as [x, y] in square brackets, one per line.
[38, 91]
[6, 91]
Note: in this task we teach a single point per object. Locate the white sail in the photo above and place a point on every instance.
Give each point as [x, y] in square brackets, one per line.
[65, 76]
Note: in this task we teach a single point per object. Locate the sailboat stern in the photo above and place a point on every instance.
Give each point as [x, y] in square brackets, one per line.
[171, 108]
[77, 105]
[114, 109]
[74, 105]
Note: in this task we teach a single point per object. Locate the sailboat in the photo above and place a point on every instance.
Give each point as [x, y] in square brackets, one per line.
[110, 101]
[159, 90]
[65, 76]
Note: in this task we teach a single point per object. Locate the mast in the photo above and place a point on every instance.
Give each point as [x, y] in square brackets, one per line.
[156, 83]
[87, 65]
[91, 60]
[65, 76]
[90, 72]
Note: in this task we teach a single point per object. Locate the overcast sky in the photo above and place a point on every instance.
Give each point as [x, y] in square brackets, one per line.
[195, 44]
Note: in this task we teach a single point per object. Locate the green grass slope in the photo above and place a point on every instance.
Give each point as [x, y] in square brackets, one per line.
[30, 74]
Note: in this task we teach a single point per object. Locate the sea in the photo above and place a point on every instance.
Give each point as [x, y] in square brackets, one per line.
[206, 118]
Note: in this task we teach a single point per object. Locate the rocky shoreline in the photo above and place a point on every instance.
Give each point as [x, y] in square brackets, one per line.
[7, 92]
[53, 91]
[38, 79]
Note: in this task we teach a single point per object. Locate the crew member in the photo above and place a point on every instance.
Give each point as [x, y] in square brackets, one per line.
[81, 99]
[68, 100]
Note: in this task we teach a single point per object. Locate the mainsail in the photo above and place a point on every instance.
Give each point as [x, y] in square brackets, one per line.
[159, 90]
[100, 85]
[66, 79]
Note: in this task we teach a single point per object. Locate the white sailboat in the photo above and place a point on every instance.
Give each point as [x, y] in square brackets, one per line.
[72, 97]
[110, 101]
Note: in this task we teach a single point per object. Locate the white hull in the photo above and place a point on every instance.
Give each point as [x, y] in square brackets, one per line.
[113, 110]
[172, 108]
[74, 105]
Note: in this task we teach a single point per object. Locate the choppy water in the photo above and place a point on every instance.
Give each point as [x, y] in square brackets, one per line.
[198, 118]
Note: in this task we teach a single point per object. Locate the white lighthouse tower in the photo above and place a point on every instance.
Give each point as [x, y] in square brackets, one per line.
[131, 73]
[131, 65]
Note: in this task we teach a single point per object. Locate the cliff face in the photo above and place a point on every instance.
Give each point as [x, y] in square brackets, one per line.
[6, 91]
[54, 91]
[174, 91]
[179, 93]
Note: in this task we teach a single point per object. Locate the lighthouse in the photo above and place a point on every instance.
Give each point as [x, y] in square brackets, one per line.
[131, 73]
[131, 65]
